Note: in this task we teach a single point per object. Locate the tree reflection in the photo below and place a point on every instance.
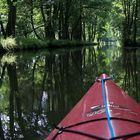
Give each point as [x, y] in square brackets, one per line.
[42, 86]
[3, 67]
[39, 89]
[13, 91]
[131, 72]
[17, 123]
[66, 79]
[1, 130]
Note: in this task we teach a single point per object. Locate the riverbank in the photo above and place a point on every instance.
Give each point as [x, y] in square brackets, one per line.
[17, 44]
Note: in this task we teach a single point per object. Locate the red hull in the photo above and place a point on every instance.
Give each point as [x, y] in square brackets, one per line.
[88, 119]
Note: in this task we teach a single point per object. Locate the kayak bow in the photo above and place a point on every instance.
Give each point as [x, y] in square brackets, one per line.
[105, 112]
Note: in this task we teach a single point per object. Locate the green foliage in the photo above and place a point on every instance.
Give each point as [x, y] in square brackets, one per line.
[56, 20]
[9, 43]
[117, 15]
[3, 7]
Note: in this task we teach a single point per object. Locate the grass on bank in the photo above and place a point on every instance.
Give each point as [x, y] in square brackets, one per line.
[31, 43]
[10, 44]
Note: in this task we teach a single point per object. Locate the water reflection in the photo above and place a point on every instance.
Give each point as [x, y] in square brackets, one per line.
[38, 89]
[132, 69]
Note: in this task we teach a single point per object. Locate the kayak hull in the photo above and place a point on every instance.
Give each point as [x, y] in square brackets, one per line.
[95, 118]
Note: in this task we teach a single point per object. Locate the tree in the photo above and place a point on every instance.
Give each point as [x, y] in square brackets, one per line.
[47, 9]
[10, 29]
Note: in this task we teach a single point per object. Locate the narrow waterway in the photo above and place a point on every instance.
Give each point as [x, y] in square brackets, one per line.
[37, 89]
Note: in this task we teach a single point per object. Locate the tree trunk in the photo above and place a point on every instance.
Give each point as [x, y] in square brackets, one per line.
[49, 27]
[135, 22]
[77, 26]
[95, 29]
[130, 22]
[32, 21]
[43, 17]
[77, 30]
[2, 28]
[49, 24]
[60, 20]
[10, 29]
[65, 27]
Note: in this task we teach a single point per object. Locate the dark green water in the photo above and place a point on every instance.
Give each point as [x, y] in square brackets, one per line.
[37, 89]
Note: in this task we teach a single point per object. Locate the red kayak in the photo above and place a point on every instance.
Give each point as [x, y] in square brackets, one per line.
[105, 112]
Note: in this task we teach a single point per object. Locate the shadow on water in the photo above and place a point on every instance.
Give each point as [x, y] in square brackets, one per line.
[38, 89]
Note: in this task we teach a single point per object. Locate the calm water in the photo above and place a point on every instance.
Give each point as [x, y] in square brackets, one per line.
[37, 89]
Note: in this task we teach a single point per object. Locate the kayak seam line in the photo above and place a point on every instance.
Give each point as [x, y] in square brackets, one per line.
[61, 130]
[106, 109]
[101, 119]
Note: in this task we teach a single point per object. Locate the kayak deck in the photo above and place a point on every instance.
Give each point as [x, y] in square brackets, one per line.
[105, 112]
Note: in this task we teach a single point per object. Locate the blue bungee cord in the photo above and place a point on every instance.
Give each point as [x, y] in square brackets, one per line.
[106, 107]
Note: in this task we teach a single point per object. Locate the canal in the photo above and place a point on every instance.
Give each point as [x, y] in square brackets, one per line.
[37, 89]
